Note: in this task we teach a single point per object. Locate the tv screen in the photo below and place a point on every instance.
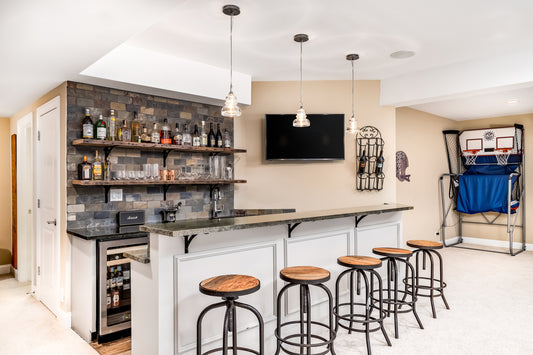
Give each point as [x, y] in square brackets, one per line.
[323, 140]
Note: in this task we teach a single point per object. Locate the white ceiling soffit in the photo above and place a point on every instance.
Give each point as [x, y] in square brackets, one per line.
[163, 74]
[47, 42]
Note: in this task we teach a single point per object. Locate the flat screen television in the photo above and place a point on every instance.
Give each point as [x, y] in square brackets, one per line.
[323, 140]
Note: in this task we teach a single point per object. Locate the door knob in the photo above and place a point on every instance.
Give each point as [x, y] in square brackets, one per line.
[52, 222]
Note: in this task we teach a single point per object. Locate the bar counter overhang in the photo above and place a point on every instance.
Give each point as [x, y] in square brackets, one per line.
[166, 301]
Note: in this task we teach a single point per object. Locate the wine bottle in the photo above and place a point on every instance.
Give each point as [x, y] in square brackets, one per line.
[220, 142]
[212, 139]
[362, 163]
[165, 134]
[97, 168]
[87, 126]
[100, 129]
[379, 163]
[187, 138]
[156, 137]
[227, 139]
[203, 136]
[135, 128]
[195, 137]
[178, 137]
[112, 127]
[85, 171]
[125, 132]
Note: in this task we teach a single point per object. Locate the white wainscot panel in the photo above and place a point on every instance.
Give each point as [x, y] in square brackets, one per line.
[262, 261]
[321, 250]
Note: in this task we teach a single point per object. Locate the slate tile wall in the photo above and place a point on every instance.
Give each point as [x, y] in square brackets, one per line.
[86, 206]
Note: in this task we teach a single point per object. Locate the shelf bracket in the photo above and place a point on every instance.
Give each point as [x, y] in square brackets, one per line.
[291, 227]
[165, 156]
[165, 189]
[188, 239]
[358, 219]
[107, 151]
[106, 194]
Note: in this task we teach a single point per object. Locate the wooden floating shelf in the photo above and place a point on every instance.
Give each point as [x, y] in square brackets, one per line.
[153, 146]
[153, 182]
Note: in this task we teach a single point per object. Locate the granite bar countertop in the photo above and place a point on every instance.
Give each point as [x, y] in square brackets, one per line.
[103, 233]
[204, 226]
[140, 255]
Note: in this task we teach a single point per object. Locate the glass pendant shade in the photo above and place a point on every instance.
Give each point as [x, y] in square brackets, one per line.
[352, 126]
[301, 118]
[231, 107]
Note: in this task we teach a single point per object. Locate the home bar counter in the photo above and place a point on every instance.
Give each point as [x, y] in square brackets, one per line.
[166, 301]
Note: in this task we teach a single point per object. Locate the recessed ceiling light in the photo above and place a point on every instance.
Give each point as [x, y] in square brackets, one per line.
[402, 54]
[513, 101]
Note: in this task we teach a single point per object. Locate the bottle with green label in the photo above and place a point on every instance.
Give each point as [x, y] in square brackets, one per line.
[100, 129]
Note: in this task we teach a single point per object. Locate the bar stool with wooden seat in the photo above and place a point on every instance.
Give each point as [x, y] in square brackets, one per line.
[423, 284]
[392, 256]
[308, 342]
[364, 268]
[230, 287]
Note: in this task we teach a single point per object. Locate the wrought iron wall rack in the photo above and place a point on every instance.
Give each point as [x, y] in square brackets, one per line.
[369, 143]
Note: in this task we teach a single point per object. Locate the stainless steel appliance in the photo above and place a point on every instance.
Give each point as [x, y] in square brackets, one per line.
[113, 283]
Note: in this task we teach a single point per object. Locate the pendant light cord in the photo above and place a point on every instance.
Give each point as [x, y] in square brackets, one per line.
[301, 75]
[231, 54]
[353, 81]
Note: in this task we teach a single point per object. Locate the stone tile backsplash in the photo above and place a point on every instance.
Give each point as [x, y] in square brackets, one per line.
[86, 206]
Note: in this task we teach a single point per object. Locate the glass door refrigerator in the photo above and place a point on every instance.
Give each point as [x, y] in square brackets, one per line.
[114, 285]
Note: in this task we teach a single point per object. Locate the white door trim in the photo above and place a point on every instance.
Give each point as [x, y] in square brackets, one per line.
[51, 105]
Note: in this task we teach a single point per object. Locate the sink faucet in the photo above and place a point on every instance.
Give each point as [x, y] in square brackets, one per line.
[216, 195]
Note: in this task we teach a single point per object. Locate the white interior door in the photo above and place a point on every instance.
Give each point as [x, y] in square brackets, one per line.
[47, 185]
[25, 238]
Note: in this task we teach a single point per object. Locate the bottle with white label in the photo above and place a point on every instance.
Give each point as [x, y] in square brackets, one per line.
[87, 125]
[187, 138]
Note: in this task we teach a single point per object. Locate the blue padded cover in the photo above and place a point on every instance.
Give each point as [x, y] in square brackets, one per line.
[483, 193]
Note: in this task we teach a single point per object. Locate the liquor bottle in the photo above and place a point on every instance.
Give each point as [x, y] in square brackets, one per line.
[107, 169]
[212, 139]
[100, 130]
[125, 132]
[155, 134]
[120, 277]
[112, 127]
[227, 139]
[379, 163]
[220, 142]
[97, 168]
[187, 138]
[87, 125]
[113, 278]
[135, 129]
[195, 137]
[85, 170]
[362, 163]
[203, 136]
[145, 136]
[116, 297]
[166, 133]
[178, 137]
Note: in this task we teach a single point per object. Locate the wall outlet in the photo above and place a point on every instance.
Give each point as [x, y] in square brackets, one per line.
[115, 195]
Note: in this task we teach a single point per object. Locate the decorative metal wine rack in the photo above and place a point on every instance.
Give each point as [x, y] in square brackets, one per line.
[369, 140]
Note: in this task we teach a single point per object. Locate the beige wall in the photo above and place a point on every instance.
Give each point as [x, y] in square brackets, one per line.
[419, 135]
[494, 232]
[60, 91]
[5, 185]
[310, 185]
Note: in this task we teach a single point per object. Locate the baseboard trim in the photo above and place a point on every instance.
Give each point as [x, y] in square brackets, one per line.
[65, 318]
[488, 242]
[5, 269]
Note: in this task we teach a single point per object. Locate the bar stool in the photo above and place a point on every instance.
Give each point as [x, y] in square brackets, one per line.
[229, 287]
[427, 248]
[359, 266]
[392, 256]
[304, 276]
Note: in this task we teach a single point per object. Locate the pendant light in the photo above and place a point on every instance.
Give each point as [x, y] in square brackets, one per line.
[301, 117]
[231, 107]
[352, 123]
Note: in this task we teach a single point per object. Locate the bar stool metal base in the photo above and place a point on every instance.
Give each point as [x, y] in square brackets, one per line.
[230, 326]
[305, 344]
[365, 320]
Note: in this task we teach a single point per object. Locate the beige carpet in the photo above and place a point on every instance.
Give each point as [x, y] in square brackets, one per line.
[490, 295]
[491, 301]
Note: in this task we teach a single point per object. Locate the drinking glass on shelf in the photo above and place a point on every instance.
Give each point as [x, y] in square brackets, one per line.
[139, 175]
[131, 175]
[155, 171]
[147, 171]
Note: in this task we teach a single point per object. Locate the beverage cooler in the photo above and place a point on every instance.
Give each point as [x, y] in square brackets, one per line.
[113, 300]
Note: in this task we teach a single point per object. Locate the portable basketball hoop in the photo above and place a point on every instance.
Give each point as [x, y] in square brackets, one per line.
[502, 156]
[470, 156]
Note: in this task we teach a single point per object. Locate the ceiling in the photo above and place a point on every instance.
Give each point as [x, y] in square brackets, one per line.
[49, 44]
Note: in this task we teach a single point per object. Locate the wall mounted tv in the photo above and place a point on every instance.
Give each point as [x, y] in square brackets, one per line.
[323, 140]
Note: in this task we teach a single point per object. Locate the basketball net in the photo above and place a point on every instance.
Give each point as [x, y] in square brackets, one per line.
[470, 156]
[502, 156]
